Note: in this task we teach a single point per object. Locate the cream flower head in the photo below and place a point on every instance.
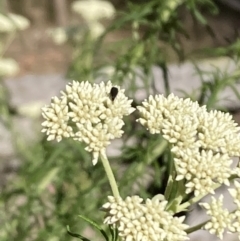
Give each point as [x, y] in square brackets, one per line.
[220, 218]
[93, 10]
[87, 113]
[12, 22]
[8, 67]
[96, 29]
[58, 35]
[202, 141]
[148, 221]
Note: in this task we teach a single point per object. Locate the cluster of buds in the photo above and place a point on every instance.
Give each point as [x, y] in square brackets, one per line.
[203, 143]
[88, 113]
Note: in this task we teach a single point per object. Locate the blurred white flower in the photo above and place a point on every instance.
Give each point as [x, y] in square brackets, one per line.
[96, 29]
[12, 22]
[32, 110]
[108, 70]
[19, 22]
[5, 24]
[58, 35]
[170, 6]
[93, 10]
[8, 67]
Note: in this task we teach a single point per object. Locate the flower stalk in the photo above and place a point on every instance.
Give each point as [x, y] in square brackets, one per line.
[110, 175]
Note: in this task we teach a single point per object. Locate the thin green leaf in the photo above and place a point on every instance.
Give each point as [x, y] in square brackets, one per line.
[200, 17]
[169, 187]
[95, 225]
[75, 235]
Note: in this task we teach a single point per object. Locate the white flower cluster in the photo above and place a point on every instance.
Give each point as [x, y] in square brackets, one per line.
[149, 221]
[12, 22]
[92, 11]
[58, 35]
[87, 113]
[9, 23]
[202, 142]
[8, 67]
[221, 218]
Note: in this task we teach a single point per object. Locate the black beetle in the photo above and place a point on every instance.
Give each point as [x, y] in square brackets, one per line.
[113, 93]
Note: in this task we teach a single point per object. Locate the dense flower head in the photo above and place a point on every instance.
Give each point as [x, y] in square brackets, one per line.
[217, 131]
[157, 109]
[220, 218]
[202, 170]
[137, 220]
[87, 113]
[203, 142]
[93, 10]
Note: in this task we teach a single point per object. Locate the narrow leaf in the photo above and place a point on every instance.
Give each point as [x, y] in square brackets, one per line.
[95, 225]
[76, 235]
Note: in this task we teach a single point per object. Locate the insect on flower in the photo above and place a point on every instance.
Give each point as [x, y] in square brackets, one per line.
[113, 93]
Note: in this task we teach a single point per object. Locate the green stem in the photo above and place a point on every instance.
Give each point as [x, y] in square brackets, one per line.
[195, 228]
[157, 150]
[164, 68]
[213, 98]
[110, 176]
